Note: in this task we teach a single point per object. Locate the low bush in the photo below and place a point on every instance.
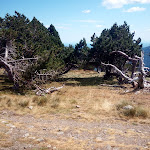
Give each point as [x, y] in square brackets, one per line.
[41, 101]
[132, 112]
[24, 103]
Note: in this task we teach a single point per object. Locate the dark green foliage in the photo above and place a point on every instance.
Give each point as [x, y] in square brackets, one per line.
[117, 38]
[55, 35]
[80, 54]
[33, 39]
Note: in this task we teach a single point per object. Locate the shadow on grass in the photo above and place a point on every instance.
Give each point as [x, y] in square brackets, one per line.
[88, 81]
[5, 84]
[7, 87]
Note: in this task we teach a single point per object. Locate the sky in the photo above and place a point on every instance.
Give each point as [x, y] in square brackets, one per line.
[78, 19]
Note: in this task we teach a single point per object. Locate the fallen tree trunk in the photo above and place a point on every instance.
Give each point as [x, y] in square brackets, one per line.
[138, 82]
[41, 91]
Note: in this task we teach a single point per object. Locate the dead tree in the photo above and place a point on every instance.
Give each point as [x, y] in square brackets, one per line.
[137, 78]
[14, 67]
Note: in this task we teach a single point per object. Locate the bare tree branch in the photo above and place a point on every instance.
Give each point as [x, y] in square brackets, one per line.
[119, 72]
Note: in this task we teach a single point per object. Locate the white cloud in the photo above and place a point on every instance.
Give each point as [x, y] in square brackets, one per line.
[86, 11]
[135, 9]
[114, 3]
[109, 4]
[63, 26]
[99, 26]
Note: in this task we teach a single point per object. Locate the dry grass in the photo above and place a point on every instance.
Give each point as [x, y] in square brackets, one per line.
[81, 89]
[136, 111]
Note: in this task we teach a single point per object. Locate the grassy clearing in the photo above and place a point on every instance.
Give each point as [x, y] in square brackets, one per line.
[82, 89]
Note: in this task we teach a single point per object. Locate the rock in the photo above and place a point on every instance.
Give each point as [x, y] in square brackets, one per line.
[32, 138]
[10, 125]
[109, 147]
[4, 122]
[26, 135]
[137, 92]
[127, 91]
[77, 106]
[40, 140]
[139, 131]
[128, 107]
[49, 146]
[59, 130]
[44, 128]
[4, 112]
[98, 139]
[60, 133]
[30, 107]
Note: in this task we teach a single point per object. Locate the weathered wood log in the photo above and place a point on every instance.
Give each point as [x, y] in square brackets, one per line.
[41, 91]
[133, 60]
[139, 81]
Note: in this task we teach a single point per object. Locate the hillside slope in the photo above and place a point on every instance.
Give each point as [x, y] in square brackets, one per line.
[147, 56]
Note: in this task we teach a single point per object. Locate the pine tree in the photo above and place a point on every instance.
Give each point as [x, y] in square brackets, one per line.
[117, 38]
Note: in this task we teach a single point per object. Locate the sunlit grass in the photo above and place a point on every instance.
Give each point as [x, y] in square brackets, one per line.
[82, 89]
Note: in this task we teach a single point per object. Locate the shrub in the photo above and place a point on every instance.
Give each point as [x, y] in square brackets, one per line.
[133, 112]
[24, 103]
[41, 101]
[9, 103]
[55, 103]
[140, 112]
[122, 104]
[130, 112]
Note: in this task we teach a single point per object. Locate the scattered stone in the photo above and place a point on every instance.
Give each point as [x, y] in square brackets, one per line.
[30, 126]
[30, 107]
[10, 131]
[32, 138]
[128, 107]
[146, 147]
[59, 130]
[4, 112]
[40, 140]
[26, 135]
[77, 106]
[60, 133]
[49, 146]
[109, 147]
[137, 92]
[4, 122]
[99, 139]
[10, 125]
[139, 131]
[127, 91]
[44, 128]
[115, 148]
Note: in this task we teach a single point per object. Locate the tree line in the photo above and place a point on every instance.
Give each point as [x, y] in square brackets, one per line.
[31, 39]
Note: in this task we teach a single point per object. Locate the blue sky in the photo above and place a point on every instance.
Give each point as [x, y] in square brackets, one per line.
[75, 19]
